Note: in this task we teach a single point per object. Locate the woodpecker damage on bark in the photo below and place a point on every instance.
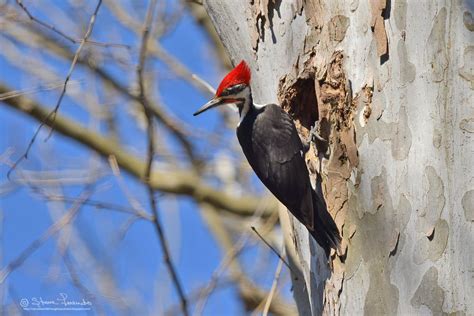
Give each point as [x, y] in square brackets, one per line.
[262, 11]
[378, 199]
[329, 101]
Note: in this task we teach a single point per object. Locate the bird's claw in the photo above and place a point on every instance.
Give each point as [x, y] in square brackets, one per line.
[321, 143]
[314, 133]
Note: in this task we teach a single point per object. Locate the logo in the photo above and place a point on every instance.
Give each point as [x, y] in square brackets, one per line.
[62, 302]
[24, 302]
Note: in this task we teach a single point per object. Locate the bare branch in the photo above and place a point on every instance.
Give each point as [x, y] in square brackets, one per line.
[179, 69]
[180, 182]
[64, 35]
[51, 231]
[171, 124]
[268, 302]
[149, 163]
[228, 258]
[158, 51]
[103, 205]
[44, 24]
[79, 284]
[49, 119]
[250, 294]
[196, 295]
[273, 249]
[16, 93]
[202, 18]
[204, 83]
[158, 173]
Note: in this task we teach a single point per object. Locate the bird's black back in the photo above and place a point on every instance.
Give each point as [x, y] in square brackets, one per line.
[270, 142]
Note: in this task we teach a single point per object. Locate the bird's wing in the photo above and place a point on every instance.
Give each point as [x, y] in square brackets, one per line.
[281, 166]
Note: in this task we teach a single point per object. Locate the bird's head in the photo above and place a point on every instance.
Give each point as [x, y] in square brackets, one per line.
[233, 89]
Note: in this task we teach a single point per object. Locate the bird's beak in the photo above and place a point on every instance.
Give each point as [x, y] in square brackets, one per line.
[209, 105]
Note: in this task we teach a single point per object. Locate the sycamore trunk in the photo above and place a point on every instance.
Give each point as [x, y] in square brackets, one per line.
[392, 85]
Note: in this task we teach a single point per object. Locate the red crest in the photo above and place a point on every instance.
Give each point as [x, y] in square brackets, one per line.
[240, 74]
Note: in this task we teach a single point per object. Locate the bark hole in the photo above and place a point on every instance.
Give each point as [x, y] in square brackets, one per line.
[329, 100]
[299, 99]
[309, 95]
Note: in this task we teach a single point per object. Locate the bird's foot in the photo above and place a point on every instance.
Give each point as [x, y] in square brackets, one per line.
[314, 133]
[322, 144]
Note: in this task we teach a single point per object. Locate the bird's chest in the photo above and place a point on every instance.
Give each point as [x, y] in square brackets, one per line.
[248, 138]
[256, 141]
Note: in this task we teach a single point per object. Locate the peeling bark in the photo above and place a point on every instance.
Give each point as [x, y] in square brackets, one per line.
[396, 169]
[378, 26]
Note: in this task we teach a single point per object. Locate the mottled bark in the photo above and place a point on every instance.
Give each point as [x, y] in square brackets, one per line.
[392, 85]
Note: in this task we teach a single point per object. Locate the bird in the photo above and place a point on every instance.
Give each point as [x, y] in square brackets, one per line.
[276, 153]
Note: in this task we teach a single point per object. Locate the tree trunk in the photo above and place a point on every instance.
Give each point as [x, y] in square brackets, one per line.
[391, 83]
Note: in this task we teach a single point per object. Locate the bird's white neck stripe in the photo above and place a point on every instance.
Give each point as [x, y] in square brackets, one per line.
[258, 106]
[247, 104]
[246, 108]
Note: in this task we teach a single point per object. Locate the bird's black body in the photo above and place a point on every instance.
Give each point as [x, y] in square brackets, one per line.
[273, 148]
[275, 152]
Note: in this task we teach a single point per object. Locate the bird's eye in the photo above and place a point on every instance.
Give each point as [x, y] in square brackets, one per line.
[233, 90]
[225, 92]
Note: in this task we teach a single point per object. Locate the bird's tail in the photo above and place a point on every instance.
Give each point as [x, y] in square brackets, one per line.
[325, 230]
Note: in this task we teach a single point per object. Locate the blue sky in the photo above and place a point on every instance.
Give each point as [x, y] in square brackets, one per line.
[136, 260]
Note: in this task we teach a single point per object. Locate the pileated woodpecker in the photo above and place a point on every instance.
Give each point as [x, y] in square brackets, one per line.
[275, 152]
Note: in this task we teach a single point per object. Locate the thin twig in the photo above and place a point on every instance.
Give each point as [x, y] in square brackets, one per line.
[179, 69]
[268, 302]
[76, 281]
[123, 185]
[229, 257]
[52, 230]
[156, 49]
[184, 182]
[273, 249]
[44, 24]
[150, 153]
[204, 83]
[176, 127]
[16, 93]
[103, 205]
[197, 293]
[197, 2]
[64, 35]
[125, 227]
[49, 120]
